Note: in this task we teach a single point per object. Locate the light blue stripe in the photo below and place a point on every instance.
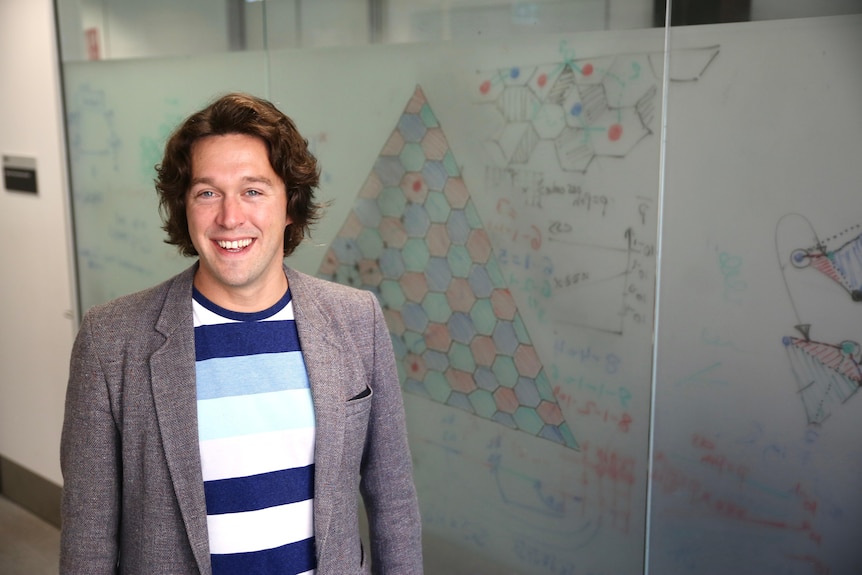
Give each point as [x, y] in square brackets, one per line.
[258, 413]
[249, 374]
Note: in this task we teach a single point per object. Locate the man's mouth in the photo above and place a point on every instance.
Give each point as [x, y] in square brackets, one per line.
[235, 245]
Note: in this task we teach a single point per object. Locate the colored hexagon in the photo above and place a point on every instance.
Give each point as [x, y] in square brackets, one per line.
[483, 316]
[438, 274]
[391, 264]
[416, 221]
[483, 402]
[414, 317]
[461, 380]
[435, 175]
[414, 286]
[527, 393]
[370, 243]
[528, 420]
[437, 307]
[437, 206]
[392, 201]
[411, 127]
[550, 412]
[504, 305]
[435, 360]
[456, 192]
[437, 386]
[415, 366]
[459, 261]
[415, 254]
[506, 400]
[479, 246]
[437, 337]
[458, 227]
[389, 170]
[392, 294]
[505, 370]
[480, 282]
[527, 361]
[414, 187]
[369, 273]
[412, 157]
[504, 337]
[461, 327]
[434, 144]
[460, 296]
[392, 232]
[460, 357]
[484, 350]
[438, 240]
[368, 212]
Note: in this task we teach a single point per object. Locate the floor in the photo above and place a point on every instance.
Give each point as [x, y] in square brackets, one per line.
[28, 545]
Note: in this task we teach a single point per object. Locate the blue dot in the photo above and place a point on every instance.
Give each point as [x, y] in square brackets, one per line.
[577, 109]
[514, 72]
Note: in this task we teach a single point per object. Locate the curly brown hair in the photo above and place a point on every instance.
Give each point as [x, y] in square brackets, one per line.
[289, 157]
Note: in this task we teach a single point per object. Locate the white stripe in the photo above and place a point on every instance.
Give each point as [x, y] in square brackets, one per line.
[259, 453]
[203, 316]
[263, 529]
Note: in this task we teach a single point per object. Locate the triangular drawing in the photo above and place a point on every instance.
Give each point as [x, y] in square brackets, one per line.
[415, 239]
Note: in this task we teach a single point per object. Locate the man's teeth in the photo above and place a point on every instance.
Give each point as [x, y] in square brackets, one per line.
[234, 245]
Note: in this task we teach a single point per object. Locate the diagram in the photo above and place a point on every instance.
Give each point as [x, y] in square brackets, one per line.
[827, 373]
[415, 239]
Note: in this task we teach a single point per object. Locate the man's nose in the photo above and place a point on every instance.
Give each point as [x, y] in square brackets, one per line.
[231, 213]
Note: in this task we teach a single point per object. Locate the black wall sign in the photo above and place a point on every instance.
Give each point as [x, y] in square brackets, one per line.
[19, 174]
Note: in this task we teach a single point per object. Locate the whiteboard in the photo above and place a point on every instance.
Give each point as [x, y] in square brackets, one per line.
[533, 226]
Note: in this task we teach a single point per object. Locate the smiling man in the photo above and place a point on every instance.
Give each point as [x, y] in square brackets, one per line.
[227, 420]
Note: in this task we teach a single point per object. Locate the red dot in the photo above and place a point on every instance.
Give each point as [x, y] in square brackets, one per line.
[417, 185]
[414, 366]
[543, 79]
[588, 69]
[485, 87]
[615, 132]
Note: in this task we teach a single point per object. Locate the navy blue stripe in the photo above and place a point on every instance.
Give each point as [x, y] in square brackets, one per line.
[238, 315]
[238, 494]
[288, 559]
[233, 339]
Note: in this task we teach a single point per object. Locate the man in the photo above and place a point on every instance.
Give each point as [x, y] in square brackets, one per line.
[221, 421]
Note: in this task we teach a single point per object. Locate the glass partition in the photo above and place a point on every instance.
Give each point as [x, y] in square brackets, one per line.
[517, 183]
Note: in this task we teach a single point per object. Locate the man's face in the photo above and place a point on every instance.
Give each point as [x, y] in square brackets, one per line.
[237, 212]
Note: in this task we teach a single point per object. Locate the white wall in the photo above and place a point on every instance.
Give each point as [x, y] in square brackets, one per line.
[35, 285]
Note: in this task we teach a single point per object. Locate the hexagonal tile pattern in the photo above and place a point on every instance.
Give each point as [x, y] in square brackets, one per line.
[415, 239]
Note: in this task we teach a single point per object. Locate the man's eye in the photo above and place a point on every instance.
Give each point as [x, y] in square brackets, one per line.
[253, 193]
[205, 194]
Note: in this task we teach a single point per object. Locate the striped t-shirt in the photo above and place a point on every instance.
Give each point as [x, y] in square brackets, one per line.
[256, 429]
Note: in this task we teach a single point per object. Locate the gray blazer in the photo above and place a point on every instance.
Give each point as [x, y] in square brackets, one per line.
[133, 497]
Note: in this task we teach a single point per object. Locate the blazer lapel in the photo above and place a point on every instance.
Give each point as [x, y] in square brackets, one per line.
[319, 348]
[172, 371]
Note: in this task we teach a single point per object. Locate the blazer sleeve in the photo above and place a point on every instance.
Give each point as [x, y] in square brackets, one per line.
[387, 472]
[89, 460]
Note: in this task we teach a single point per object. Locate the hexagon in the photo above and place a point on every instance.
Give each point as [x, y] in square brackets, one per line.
[456, 192]
[483, 403]
[371, 188]
[436, 307]
[392, 294]
[483, 316]
[517, 142]
[460, 296]
[415, 366]
[438, 207]
[348, 274]
[550, 412]
[460, 380]
[438, 240]
[414, 317]
[392, 201]
[505, 419]
[459, 400]
[389, 170]
[461, 327]
[460, 357]
[414, 286]
[549, 121]
[505, 370]
[415, 342]
[434, 144]
[480, 282]
[435, 360]
[527, 361]
[438, 274]
[504, 304]
[437, 386]
[395, 323]
[368, 212]
[437, 337]
[435, 175]
[412, 127]
[393, 145]
[393, 233]
[369, 273]
[485, 378]
[414, 187]
[415, 254]
[504, 337]
[506, 400]
[370, 243]
[484, 350]
[428, 117]
[346, 251]
[458, 227]
[416, 221]
[460, 261]
[528, 420]
[412, 157]
[527, 393]
[391, 263]
[517, 103]
[479, 245]
[574, 150]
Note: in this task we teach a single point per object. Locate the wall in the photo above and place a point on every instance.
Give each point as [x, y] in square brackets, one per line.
[36, 303]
